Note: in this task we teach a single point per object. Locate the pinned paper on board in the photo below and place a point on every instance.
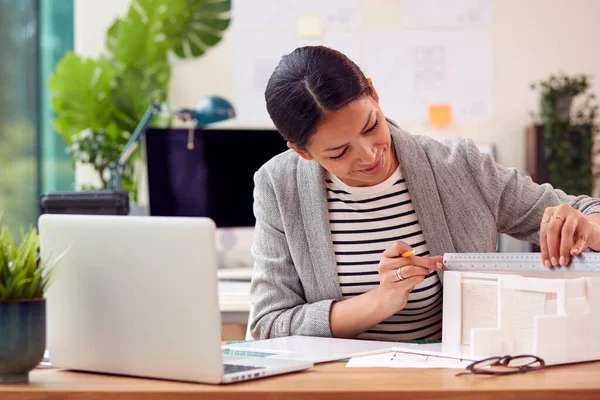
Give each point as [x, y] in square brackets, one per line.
[309, 26]
[439, 114]
[429, 68]
[443, 13]
[253, 66]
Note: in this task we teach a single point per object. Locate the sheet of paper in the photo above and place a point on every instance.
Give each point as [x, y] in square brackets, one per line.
[445, 13]
[283, 14]
[322, 349]
[405, 360]
[255, 56]
[413, 69]
[316, 349]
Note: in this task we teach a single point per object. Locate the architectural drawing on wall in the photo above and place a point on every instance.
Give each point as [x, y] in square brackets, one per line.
[444, 13]
[557, 319]
[255, 56]
[429, 68]
[264, 30]
[262, 68]
[411, 68]
[414, 69]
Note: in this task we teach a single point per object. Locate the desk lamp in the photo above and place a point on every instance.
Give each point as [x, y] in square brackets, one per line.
[208, 110]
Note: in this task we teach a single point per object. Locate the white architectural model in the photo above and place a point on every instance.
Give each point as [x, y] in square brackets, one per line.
[556, 317]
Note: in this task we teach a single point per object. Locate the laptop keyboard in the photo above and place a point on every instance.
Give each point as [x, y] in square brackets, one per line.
[233, 368]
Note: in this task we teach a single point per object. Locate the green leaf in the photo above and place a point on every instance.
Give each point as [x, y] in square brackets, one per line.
[22, 273]
[18, 288]
[34, 287]
[81, 95]
[136, 88]
[139, 39]
[4, 271]
[52, 270]
[113, 36]
[200, 27]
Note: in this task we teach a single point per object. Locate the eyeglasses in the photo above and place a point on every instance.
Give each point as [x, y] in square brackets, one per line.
[505, 365]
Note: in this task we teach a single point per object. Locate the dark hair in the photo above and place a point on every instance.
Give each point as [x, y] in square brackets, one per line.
[308, 83]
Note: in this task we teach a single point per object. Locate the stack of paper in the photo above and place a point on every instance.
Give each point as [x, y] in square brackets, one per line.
[397, 359]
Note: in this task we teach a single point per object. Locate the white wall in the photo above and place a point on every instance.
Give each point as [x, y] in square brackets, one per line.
[531, 39]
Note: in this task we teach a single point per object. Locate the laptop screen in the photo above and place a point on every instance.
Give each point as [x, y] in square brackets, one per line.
[215, 179]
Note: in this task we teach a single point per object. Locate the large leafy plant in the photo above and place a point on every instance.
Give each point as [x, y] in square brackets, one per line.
[569, 131]
[23, 275]
[99, 102]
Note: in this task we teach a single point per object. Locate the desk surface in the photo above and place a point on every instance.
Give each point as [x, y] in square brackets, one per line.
[324, 381]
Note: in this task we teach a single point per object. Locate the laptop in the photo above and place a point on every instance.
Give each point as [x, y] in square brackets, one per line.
[138, 296]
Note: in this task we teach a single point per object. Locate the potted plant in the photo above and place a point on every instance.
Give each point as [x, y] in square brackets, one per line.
[564, 131]
[24, 278]
[99, 102]
[557, 93]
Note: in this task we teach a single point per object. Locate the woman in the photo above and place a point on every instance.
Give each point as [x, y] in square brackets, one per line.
[335, 213]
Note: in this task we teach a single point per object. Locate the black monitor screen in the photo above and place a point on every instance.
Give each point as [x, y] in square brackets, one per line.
[214, 179]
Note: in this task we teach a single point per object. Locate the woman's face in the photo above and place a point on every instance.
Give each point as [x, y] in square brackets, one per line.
[354, 144]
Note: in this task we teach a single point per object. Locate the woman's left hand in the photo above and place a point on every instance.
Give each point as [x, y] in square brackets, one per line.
[565, 232]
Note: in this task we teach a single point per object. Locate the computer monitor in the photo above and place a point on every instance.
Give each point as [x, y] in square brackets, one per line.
[214, 178]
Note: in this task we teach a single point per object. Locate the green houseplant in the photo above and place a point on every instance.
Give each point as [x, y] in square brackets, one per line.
[98, 102]
[24, 278]
[568, 125]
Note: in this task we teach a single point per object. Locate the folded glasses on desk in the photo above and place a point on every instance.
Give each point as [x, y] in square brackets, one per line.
[505, 365]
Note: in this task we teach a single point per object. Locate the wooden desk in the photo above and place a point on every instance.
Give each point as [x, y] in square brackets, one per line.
[324, 381]
[234, 303]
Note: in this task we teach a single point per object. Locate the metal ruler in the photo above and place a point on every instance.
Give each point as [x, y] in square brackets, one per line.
[515, 262]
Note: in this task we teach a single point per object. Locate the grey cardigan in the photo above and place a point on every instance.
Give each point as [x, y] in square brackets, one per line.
[462, 199]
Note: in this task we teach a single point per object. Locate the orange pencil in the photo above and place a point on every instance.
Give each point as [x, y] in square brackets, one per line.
[408, 253]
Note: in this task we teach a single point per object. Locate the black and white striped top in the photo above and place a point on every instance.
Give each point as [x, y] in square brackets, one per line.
[364, 221]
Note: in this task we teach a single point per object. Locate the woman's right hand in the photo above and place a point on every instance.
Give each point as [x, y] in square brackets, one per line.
[393, 292]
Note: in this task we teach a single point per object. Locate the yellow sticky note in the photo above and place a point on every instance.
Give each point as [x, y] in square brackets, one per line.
[440, 114]
[309, 26]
